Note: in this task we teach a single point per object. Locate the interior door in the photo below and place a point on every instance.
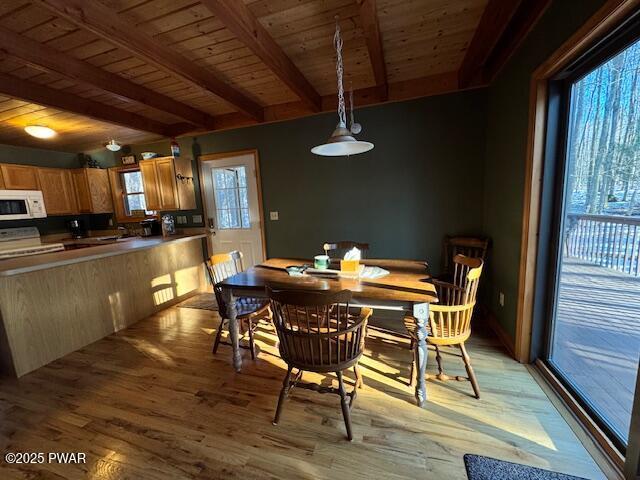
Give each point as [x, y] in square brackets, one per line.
[233, 206]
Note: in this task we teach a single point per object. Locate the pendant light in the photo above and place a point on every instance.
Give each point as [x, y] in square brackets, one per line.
[40, 131]
[342, 142]
[113, 146]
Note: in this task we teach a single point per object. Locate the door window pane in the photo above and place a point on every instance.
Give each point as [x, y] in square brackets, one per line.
[231, 197]
[595, 342]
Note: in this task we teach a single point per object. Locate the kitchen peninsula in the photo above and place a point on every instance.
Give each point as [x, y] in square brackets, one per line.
[56, 303]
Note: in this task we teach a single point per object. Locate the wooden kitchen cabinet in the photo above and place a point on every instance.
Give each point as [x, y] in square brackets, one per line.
[57, 190]
[150, 183]
[92, 190]
[167, 187]
[163, 190]
[2, 187]
[19, 177]
[81, 186]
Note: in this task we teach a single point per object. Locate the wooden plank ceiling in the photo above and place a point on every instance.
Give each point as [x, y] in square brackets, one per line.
[165, 68]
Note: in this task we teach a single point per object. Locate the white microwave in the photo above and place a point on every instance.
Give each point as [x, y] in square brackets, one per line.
[21, 204]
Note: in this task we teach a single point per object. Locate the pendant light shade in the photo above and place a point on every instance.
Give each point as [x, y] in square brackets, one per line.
[113, 146]
[342, 142]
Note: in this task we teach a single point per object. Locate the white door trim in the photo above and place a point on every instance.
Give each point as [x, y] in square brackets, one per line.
[211, 157]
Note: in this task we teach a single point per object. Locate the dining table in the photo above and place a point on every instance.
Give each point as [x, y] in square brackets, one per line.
[407, 287]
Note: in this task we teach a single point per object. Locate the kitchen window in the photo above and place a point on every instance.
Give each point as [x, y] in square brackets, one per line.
[133, 194]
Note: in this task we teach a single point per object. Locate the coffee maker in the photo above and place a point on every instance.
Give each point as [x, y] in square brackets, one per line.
[77, 228]
[150, 227]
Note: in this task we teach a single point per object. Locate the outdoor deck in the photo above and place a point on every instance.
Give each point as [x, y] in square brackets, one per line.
[597, 341]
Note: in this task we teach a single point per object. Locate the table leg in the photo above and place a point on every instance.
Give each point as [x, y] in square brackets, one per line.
[234, 333]
[421, 314]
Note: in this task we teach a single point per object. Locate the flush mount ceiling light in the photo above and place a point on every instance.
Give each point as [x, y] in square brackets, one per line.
[40, 131]
[113, 146]
[342, 142]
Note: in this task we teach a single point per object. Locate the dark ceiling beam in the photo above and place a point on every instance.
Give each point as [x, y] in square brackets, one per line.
[437, 84]
[371, 27]
[493, 23]
[522, 22]
[50, 97]
[237, 17]
[502, 28]
[108, 25]
[43, 57]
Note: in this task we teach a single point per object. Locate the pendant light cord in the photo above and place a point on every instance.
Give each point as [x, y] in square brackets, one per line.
[337, 42]
[351, 102]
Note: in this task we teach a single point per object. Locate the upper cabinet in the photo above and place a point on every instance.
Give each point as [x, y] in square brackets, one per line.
[19, 177]
[65, 191]
[81, 185]
[57, 191]
[93, 194]
[168, 183]
[150, 183]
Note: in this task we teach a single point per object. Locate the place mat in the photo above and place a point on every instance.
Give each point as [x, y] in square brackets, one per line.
[202, 301]
[485, 468]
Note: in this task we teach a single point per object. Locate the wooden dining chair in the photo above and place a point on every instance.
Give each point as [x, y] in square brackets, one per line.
[450, 318]
[249, 310]
[338, 249]
[319, 332]
[473, 247]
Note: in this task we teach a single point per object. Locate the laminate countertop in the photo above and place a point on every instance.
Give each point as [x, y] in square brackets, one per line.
[16, 266]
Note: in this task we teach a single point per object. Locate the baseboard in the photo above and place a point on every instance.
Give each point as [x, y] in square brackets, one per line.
[501, 333]
[603, 452]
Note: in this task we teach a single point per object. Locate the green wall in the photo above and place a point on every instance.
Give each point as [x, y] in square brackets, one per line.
[38, 157]
[507, 130]
[422, 180]
[47, 158]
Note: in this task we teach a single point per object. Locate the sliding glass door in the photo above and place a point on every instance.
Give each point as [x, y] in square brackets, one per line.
[594, 339]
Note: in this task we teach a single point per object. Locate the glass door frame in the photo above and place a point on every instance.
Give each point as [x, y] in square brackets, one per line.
[554, 200]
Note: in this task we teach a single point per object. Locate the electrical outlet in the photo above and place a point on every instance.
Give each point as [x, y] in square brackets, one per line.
[196, 219]
[181, 219]
[111, 222]
[273, 216]
[501, 299]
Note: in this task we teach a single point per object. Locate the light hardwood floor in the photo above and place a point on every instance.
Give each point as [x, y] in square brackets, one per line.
[151, 402]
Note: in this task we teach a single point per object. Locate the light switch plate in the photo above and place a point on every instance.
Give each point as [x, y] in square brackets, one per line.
[182, 219]
[501, 299]
[196, 219]
[273, 215]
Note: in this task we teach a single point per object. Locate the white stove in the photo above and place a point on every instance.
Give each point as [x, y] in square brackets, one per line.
[23, 241]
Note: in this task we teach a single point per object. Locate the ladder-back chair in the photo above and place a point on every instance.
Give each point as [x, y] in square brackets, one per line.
[472, 247]
[249, 310]
[319, 332]
[450, 319]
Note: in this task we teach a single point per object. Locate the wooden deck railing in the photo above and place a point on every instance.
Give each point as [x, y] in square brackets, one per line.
[611, 241]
